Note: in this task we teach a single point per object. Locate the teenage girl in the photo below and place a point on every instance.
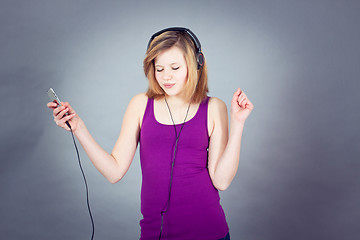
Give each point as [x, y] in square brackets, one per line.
[186, 151]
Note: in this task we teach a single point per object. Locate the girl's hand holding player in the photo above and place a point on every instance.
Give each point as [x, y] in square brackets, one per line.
[60, 116]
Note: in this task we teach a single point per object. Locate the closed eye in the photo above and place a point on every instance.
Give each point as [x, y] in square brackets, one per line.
[160, 69]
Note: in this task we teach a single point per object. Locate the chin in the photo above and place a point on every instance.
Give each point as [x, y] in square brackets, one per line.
[170, 92]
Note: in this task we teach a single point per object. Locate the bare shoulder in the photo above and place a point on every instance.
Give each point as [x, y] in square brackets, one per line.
[217, 114]
[139, 100]
[216, 106]
[138, 105]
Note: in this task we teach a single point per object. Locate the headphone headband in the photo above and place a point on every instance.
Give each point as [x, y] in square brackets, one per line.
[198, 54]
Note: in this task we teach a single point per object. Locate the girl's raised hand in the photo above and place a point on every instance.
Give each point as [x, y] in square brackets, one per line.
[241, 107]
[60, 118]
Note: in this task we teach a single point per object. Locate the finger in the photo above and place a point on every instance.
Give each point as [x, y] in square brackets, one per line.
[241, 100]
[62, 122]
[245, 102]
[241, 93]
[71, 110]
[57, 110]
[51, 105]
[67, 118]
[236, 95]
[62, 113]
[66, 104]
[241, 96]
[248, 104]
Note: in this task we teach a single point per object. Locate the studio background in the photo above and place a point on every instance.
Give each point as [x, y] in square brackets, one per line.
[297, 61]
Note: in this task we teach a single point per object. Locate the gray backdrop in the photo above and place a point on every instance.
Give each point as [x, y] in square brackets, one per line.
[298, 62]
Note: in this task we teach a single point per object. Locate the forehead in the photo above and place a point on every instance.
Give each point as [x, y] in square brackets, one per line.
[169, 56]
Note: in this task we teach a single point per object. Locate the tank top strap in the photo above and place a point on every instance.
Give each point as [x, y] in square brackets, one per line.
[203, 106]
[149, 111]
[150, 107]
[202, 114]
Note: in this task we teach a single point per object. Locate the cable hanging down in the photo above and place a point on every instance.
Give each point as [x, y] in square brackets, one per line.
[86, 186]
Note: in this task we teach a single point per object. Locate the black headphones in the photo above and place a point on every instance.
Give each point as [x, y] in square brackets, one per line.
[198, 54]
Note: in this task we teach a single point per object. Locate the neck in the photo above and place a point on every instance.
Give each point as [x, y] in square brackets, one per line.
[177, 107]
[176, 101]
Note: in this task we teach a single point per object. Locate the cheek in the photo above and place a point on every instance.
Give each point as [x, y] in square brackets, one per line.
[157, 76]
[184, 75]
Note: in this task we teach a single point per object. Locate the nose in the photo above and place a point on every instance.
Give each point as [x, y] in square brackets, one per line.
[167, 75]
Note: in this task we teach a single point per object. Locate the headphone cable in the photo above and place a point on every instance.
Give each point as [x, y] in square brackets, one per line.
[172, 163]
[86, 186]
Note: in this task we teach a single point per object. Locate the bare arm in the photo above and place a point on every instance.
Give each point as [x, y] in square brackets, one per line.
[125, 147]
[112, 166]
[224, 149]
[106, 164]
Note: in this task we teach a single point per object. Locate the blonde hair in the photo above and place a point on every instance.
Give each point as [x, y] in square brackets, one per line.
[196, 87]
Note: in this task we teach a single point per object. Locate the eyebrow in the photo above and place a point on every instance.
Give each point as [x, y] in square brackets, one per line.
[158, 65]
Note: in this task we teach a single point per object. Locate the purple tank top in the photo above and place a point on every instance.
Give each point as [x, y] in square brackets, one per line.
[194, 210]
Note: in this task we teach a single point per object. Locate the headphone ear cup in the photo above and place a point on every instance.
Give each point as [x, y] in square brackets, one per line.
[200, 60]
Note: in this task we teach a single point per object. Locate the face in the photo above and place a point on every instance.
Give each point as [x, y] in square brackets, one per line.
[171, 71]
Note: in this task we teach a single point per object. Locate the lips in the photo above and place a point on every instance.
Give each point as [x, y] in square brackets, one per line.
[169, 85]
